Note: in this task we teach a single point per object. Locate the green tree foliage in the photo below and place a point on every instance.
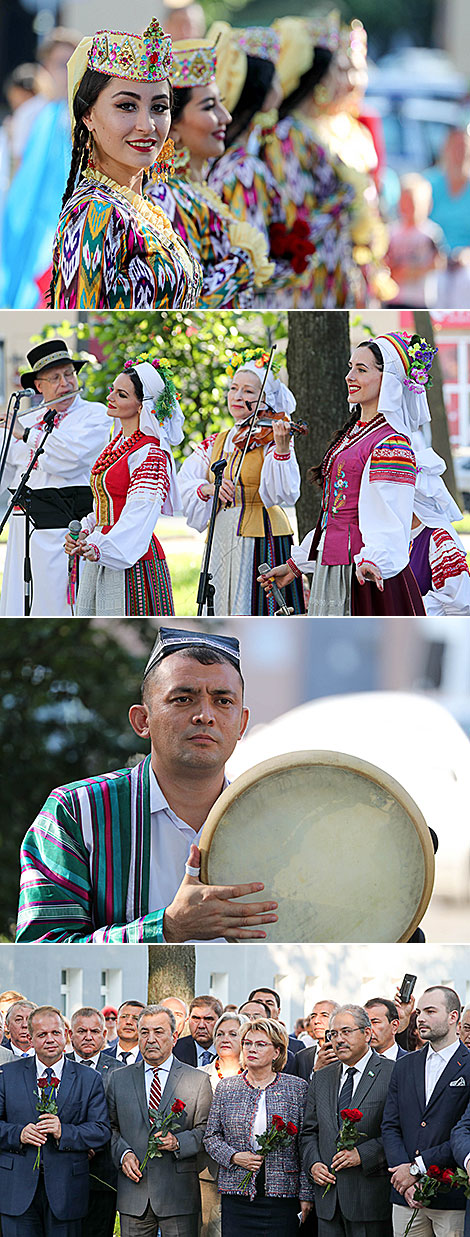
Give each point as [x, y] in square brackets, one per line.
[65, 689]
[198, 345]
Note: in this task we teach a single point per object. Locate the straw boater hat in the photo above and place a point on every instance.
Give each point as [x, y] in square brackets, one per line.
[50, 352]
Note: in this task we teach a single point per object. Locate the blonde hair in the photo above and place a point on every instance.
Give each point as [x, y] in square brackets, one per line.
[276, 1034]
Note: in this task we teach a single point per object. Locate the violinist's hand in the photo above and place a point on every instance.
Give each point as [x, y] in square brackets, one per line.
[281, 437]
[74, 546]
[203, 912]
[369, 571]
[227, 492]
[282, 576]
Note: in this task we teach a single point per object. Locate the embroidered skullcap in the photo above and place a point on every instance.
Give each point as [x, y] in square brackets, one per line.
[232, 63]
[194, 62]
[174, 640]
[136, 57]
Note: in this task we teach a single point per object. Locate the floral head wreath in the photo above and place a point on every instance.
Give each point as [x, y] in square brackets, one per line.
[417, 357]
[164, 404]
[252, 356]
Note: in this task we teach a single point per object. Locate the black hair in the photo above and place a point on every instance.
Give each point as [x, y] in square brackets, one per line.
[136, 383]
[392, 1012]
[321, 62]
[315, 474]
[90, 88]
[205, 656]
[181, 96]
[263, 988]
[258, 82]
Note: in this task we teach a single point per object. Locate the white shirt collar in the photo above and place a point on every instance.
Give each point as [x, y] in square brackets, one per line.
[444, 1053]
[158, 803]
[133, 1052]
[391, 1053]
[81, 1060]
[360, 1065]
[56, 1068]
[165, 1066]
[18, 1053]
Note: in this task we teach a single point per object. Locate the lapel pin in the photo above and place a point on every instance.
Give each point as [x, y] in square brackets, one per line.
[371, 1073]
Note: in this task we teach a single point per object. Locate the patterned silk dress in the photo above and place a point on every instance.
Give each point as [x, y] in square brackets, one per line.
[114, 249]
[233, 255]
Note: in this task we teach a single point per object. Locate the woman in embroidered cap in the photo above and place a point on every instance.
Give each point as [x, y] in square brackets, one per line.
[359, 551]
[233, 255]
[251, 527]
[114, 249]
[123, 566]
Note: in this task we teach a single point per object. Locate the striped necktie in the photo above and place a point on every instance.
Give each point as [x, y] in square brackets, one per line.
[345, 1095]
[155, 1094]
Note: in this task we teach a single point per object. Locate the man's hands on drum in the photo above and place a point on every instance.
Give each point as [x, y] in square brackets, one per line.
[204, 912]
[368, 572]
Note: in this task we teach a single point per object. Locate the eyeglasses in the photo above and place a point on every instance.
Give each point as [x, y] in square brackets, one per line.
[347, 1031]
[258, 1043]
[54, 379]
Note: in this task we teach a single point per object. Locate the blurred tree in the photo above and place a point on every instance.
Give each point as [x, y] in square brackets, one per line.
[317, 359]
[172, 972]
[198, 346]
[387, 27]
[65, 689]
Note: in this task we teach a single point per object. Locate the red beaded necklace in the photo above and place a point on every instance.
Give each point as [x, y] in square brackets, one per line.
[219, 1071]
[114, 450]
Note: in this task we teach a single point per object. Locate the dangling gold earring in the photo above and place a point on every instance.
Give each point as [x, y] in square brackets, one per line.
[90, 148]
[164, 163]
[181, 160]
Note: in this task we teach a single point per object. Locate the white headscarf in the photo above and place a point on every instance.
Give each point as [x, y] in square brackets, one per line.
[405, 410]
[276, 393]
[168, 431]
[433, 503]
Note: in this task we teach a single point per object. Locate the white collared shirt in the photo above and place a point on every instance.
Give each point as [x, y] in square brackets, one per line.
[56, 1068]
[133, 1054]
[163, 1072]
[435, 1065]
[359, 1067]
[18, 1053]
[90, 1061]
[170, 841]
[200, 1053]
[391, 1053]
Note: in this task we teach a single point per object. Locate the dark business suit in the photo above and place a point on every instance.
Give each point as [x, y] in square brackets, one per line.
[413, 1127]
[112, 1052]
[185, 1050]
[99, 1221]
[63, 1182]
[359, 1203]
[460, 1143]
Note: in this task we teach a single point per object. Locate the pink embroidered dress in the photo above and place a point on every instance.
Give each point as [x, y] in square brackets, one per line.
[131, 483]
[369, 477]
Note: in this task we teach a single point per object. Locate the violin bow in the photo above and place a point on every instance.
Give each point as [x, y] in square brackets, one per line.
[254, 416]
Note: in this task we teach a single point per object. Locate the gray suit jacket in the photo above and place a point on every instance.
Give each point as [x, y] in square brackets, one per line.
[170, 1182]
[6, 1056]
[362, 1193]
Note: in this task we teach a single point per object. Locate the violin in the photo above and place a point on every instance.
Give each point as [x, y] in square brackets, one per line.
[262, 434]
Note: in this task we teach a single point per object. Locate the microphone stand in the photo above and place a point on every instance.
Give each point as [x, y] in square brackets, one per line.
[22, 498]
[206, 589]
[9, 433]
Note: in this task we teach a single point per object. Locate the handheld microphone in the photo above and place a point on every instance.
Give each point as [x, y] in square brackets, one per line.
[75, 529]
[265, 570]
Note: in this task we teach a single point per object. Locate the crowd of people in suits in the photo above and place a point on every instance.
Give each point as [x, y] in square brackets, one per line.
[207, 1119]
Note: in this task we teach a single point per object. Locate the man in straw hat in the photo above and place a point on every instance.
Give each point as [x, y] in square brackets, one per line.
[60, 479]
[105, 858]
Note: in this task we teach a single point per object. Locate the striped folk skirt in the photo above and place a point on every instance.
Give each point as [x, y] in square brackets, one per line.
[139, 591]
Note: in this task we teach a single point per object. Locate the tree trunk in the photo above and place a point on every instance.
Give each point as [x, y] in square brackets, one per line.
[172, 972]
[437, 408]
[317, 359]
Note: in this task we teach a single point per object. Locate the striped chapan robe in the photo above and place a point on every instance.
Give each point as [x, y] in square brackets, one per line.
[85, 863]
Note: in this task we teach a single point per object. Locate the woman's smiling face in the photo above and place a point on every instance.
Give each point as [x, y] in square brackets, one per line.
[129, 122]
[203, 123]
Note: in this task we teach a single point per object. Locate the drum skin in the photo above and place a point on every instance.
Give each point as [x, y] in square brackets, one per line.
[337, 842]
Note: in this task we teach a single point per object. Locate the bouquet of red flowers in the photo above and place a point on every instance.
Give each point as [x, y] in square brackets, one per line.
[278, 1135]
[348, 1136]
[46, 1102]
[295, 246]
[433, 1181]
[459, 1180]
[160, 1127]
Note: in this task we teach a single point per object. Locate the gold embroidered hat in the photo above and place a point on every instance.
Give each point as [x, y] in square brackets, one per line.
[261, 41]
[136, 57]
[194, 62]
[232, 63]
[295, 54]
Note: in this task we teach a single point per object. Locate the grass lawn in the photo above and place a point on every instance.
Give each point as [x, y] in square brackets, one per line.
[184, 572]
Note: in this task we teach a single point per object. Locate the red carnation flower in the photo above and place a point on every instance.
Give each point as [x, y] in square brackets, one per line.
[351, 1114]
[291, 1128]
[434, 1171]
[278, 1122]
[42, 1082]
[178, 1106]
[54, 1081]
[447, 1176]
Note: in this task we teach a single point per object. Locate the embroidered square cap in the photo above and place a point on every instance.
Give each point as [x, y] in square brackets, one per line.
[174, 639]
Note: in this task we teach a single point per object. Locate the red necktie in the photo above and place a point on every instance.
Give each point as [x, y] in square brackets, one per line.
[155, 1093]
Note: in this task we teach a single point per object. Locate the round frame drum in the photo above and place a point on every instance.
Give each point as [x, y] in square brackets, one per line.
[338, 843]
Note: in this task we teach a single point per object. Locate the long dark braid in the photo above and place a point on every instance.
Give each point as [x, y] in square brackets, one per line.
[315, 474]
